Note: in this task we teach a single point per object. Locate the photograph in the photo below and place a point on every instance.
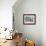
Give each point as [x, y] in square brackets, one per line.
[29, 19]
[22, 22]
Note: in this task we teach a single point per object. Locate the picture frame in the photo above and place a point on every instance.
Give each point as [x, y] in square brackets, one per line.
[29, 19]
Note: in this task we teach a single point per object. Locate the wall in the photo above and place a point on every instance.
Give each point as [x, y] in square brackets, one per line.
[43, 22]
[29, 31]
[6, 13]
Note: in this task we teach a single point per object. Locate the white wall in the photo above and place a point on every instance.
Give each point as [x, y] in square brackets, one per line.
[6, 13]
[43, 22]
[29, 31]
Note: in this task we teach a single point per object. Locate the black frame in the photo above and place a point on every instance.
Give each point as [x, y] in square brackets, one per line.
[29, 15]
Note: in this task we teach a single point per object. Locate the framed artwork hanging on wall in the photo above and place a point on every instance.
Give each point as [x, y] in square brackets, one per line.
[29, 19]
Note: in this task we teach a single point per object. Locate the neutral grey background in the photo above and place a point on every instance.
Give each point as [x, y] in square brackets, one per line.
[29, 31]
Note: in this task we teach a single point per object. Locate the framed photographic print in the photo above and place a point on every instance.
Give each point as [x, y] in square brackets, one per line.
[29, 19]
